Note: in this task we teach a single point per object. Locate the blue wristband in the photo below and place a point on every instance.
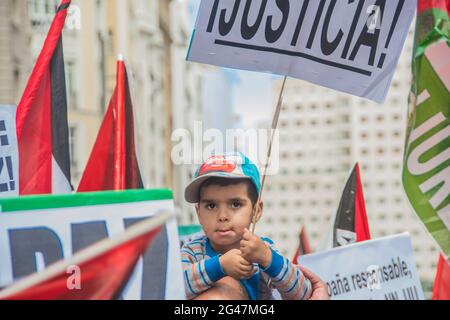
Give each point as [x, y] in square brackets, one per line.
[276, 265]
[214, 269]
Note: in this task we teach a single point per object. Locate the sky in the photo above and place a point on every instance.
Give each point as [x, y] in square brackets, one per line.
[252, 91]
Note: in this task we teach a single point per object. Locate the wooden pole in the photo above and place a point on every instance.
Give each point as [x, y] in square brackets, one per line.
[276, 118]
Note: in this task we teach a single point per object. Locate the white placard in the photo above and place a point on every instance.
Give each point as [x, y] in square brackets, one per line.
[350, 46]
[9, 155]
[381, 269]
[71, 226]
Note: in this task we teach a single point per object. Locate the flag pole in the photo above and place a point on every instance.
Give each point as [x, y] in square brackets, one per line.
[119, 150]
[276, 118]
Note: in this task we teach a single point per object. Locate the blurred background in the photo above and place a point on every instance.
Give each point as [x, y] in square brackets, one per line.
[323, 133]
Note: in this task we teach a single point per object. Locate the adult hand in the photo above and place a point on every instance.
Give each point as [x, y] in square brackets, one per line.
[319, 288]
[226, 288]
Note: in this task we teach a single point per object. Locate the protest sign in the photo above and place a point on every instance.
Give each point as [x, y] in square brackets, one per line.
[9, 169]
[189, 233]
[38, 231]
[87, 275]
[426, 169]
[351, 46]
[381, 269]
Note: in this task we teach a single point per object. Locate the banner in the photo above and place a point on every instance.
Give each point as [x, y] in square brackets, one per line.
[426, 169]
[87, 274]
[189, 233]
[381, 269]
[59, 226]
[350, 46]
[9, 157]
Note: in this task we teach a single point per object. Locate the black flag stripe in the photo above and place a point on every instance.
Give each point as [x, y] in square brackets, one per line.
[60, 127]
[345, 216]
[63, 7]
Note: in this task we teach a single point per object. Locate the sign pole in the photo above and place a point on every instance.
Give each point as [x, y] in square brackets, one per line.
[276, 118]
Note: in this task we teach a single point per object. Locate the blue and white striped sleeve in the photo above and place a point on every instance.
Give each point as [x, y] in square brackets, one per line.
[287, 278]
[199, 273]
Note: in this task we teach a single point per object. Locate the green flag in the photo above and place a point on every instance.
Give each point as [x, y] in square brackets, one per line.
[426, 170]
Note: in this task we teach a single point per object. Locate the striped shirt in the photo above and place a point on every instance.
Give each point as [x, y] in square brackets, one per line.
[201, 269]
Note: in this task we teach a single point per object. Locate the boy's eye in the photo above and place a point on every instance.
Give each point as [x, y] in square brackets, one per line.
[236, 205]
[210, 206]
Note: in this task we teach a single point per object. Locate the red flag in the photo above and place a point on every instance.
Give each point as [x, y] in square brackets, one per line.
[441, 289]
[424, 5]
[103, 269]
[361, 222]
[42, 129]
[303, 246]
[350, 224]
[114, 150]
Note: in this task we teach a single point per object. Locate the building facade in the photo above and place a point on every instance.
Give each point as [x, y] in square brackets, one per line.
[323, 133]
[153, 36]
[15, 41]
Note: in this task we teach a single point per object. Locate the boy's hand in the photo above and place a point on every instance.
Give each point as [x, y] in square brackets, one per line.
[255, 250]
[235, 266]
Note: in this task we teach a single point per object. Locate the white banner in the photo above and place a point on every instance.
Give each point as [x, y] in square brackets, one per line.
[9, 155]
[32, 240]
[350, 46]
[381, 269]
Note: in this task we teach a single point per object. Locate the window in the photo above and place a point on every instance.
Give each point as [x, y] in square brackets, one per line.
[74, 151]
[380, 134]
[71, 84]
[73, 130]
[380, 118]
[42, 11]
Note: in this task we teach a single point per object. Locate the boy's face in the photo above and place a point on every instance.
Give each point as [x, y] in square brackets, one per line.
[224, 212]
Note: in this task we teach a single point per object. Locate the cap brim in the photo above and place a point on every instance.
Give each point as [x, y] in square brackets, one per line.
[192, 191]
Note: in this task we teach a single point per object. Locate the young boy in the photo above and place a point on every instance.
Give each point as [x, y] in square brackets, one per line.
[225, 190]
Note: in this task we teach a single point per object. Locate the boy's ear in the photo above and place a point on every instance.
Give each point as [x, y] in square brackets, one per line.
[259, 211]
[197, 208]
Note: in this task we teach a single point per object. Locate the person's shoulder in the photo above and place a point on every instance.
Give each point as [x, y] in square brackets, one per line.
[196, 245]
[268, 240]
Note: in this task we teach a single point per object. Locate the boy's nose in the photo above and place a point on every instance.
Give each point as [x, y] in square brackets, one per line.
[223, 216]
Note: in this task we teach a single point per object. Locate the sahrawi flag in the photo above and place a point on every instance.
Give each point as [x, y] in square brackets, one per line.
[441, 289]
[114, 150]
[350, 224]
[426, 170]
[98, 272]
[303, 244]
[41, 119]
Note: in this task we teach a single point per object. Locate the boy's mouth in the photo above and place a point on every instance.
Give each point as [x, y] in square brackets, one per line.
[224, 232]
